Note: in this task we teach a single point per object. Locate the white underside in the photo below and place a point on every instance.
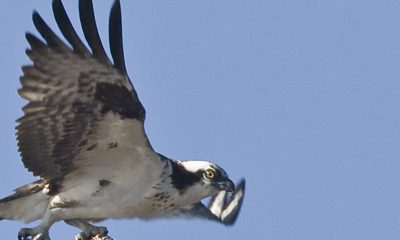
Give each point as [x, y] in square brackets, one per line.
[132, 173]
[132, 169]
[123, 197]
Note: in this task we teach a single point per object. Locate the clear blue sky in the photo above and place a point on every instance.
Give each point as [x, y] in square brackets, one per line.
[299, 97]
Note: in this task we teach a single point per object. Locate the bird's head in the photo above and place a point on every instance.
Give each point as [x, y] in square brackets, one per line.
[201, 177]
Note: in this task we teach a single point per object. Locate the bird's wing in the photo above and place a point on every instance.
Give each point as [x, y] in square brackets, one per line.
[221, 208]
[81, 104]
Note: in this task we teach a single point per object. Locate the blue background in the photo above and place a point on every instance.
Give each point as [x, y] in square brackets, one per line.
[299, 97]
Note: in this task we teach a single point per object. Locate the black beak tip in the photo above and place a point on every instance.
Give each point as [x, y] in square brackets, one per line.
[229, 186]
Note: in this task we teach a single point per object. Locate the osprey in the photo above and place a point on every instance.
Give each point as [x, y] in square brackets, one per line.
[82, 134]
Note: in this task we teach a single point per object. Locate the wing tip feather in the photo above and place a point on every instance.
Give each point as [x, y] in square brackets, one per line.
[115, 37]
[67, 29]
[45, 31]
[34, 41]
[90, 31]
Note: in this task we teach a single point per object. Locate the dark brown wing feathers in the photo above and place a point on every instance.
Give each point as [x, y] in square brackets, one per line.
[70, 91]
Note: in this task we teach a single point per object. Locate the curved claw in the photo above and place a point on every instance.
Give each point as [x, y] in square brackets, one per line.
[100, 236]
[92, 232]
[99, 231]
[34, 233]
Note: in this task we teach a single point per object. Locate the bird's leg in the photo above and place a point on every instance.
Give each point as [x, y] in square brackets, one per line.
[41, 232]
[89, 231]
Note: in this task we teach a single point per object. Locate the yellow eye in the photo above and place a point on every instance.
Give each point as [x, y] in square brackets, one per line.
[210, 174]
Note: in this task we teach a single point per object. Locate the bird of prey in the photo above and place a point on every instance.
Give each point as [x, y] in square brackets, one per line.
[82, 134]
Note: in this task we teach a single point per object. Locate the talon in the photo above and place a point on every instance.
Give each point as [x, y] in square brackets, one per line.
[99, 231]
[33, 233]
[94, 233]
[24, 233]
[101, 238]
[81, 236]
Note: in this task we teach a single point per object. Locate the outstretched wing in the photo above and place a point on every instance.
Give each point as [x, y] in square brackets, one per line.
[221, 208]
[80, 103]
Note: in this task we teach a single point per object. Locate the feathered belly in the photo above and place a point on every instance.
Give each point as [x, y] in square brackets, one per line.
[98, 196]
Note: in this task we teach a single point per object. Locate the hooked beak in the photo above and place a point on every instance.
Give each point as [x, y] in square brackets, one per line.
[226, 185]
